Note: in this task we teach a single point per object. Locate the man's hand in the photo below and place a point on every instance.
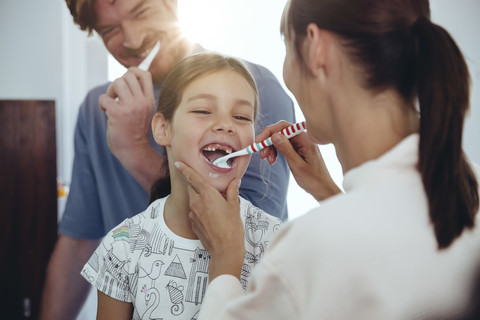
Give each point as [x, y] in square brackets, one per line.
[129, 105]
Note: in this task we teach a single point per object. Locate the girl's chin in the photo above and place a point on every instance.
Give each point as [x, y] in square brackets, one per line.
[218, 181]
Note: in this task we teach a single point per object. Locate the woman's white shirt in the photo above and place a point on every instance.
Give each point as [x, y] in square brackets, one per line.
[370, 253]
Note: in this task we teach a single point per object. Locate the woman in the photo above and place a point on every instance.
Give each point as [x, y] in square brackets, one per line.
[390, 90]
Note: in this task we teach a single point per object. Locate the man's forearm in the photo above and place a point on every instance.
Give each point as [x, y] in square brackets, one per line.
[65, 289]
[146, 166]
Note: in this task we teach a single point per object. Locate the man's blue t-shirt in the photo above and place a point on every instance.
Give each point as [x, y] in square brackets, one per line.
[103, 193]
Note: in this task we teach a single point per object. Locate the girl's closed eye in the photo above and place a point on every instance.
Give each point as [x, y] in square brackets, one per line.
[243, 118]
[201, 111]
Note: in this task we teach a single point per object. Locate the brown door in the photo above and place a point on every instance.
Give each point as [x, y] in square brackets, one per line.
[28, 203]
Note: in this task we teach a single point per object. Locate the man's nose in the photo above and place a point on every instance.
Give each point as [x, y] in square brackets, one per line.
[133, 35]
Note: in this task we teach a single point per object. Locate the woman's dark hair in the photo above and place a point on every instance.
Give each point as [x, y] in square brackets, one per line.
[181, 75]
[397, 46]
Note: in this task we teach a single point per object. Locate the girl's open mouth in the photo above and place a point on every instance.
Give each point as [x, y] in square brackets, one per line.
[213, 151]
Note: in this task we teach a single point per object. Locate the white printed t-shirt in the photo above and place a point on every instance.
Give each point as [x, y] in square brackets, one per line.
[162, 274]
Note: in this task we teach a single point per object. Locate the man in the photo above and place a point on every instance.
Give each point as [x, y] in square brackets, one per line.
[116, 162]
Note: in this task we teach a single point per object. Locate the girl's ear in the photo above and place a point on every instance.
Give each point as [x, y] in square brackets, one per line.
[160, 129]
[315, 49]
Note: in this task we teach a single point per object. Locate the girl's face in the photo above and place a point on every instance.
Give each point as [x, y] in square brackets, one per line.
[215, 116]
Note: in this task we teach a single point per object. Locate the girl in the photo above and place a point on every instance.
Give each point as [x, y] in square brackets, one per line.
[390, 89]
[153, 265]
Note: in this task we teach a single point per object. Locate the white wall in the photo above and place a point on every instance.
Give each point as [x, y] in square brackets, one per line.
[460, 18]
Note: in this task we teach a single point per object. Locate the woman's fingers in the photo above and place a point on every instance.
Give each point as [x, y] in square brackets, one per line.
[193, 178]
[232, 190]
[271, 129]
[270, 153]
[283, 145]
[307, 165]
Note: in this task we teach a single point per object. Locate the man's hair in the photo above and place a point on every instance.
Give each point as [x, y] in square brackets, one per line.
[83, 13]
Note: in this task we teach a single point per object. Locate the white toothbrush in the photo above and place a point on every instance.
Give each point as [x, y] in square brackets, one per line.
[145, 64]
[288, 132]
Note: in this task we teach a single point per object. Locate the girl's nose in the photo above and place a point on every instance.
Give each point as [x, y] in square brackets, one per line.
[133, 35]
[224, 124]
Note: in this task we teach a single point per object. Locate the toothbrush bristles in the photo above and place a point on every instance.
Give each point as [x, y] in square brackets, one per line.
[222, 162]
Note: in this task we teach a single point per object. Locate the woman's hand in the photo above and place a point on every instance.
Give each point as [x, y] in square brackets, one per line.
[304, 159]
[216, 220]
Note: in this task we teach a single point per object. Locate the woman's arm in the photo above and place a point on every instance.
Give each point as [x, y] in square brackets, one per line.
[268, 295]
[109, 308]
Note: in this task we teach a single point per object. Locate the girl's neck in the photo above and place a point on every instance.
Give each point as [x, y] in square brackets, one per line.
[176, 213]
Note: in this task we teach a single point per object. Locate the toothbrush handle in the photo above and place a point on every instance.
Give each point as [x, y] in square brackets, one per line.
[288, 132]
[294, 129]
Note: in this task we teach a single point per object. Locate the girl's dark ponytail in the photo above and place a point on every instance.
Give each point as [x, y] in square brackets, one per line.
[443, 93]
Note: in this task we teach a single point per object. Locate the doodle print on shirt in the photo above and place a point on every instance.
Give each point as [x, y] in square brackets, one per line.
[195, 316]
[152, 300]
[176, 297]
[115, 276]
[153, 273]
[175, 269]
[163, 275]
[198, 280]
[158, 243]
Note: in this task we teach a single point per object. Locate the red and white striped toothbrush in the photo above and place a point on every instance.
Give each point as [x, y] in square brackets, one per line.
[288, 132]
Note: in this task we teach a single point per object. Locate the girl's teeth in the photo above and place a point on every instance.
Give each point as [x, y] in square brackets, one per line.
[212, 148]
